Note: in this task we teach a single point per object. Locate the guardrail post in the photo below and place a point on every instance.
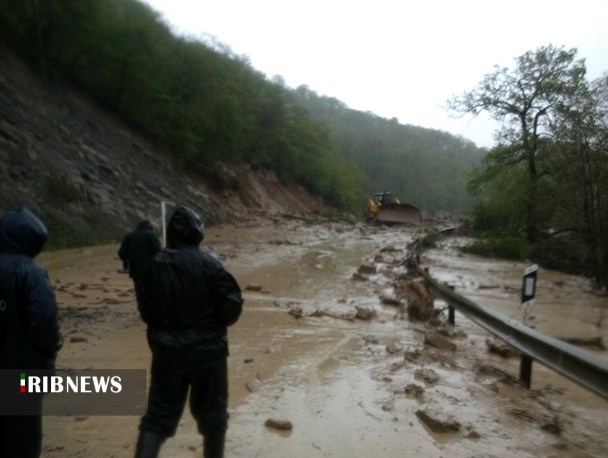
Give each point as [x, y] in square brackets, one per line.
[451, 310]
[580, 366]
[525, 371]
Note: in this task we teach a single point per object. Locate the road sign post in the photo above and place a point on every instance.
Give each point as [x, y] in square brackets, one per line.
[163, 219]
[528, 290]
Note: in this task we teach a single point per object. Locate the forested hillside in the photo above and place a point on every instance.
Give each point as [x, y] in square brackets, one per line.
[424, 167]
[205, 105]
[543, 188]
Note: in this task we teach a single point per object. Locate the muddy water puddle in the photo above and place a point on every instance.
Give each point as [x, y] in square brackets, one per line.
[349, 387]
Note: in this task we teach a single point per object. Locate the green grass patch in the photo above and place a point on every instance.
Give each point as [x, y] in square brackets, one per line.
[63, 235]
[61, 189]
[500, 247]
[430, 240]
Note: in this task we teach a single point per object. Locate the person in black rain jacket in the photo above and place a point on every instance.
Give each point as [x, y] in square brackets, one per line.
[29, 331]
[137, 249]
[188, 300]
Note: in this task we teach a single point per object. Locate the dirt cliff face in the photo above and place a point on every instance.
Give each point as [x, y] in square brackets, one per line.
[91, 178]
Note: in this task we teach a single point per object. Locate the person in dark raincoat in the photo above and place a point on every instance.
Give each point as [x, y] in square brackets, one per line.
[29, 331]
[137, 249]
[188, 300]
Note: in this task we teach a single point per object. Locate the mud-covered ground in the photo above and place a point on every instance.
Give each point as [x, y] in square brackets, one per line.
[325, 350]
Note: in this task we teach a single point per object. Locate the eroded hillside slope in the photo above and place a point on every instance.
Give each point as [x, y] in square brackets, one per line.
[91, 177]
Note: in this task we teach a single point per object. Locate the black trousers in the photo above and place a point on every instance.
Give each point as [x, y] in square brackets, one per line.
[168, 393]
[20, 436]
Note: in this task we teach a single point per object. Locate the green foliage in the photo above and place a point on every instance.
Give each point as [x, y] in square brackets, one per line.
[500, 209]
[423, 167]
[63, 235]
[199, 101]
[62, 190]
[430, 240]
[549, 173]
[525, 99]
[516, 248]
[205, 105]
[565, 253]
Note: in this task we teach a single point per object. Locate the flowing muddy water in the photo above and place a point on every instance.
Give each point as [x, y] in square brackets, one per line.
[349, 387]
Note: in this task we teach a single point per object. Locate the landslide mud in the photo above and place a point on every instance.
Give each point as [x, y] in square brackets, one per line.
[348, 387]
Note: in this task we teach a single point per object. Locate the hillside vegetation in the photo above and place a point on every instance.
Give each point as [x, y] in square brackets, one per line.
[424, 167]
[205, 106]
[543, 189]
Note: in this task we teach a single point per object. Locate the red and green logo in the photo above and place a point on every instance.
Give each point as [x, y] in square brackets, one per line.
[22, 388]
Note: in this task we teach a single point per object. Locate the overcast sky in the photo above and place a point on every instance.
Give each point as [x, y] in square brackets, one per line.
[397, 58]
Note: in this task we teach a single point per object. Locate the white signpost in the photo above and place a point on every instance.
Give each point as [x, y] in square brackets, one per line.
[528, 290]
[163, 219]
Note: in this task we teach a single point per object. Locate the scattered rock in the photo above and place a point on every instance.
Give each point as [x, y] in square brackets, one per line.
[390, 300]
[492, 386]
[419, 311]
[389, 249]
[110, 300]
[412, 355]
[366, 269]
[499, 347]
[473, 435]
[253, 386]
[388, 405]
[451, 332]
[483, 370]
[363, 313]
[392, 348]
[438, 341]
[370, 340]
[437, 420]
[286, 304]
[413, 390]
[523, 414]
[422, 291]
[296, 312]
[428, 376]
[78, 339]
[256, 288]
[551, 425]
[281, 425]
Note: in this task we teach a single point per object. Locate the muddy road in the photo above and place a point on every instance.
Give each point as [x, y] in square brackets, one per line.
[334, 355]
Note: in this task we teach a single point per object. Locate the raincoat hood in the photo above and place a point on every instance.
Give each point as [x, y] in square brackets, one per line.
[185, 228]
[22, 232]
[145, 225]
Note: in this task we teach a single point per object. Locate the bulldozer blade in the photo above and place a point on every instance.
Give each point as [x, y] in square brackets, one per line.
[398, 214]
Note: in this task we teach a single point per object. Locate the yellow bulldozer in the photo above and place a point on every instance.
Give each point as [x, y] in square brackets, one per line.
[386, 208]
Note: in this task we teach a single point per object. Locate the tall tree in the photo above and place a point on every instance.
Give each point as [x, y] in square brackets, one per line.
[524, 100]
[580, 173]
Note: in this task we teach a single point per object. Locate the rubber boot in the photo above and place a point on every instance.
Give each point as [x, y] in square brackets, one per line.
[213, 444]
[148, 445]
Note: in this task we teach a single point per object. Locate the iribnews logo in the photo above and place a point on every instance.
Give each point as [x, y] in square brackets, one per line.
[25, 391]
[69, 384]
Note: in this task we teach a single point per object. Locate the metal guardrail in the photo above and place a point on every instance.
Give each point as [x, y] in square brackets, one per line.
[578, 365]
